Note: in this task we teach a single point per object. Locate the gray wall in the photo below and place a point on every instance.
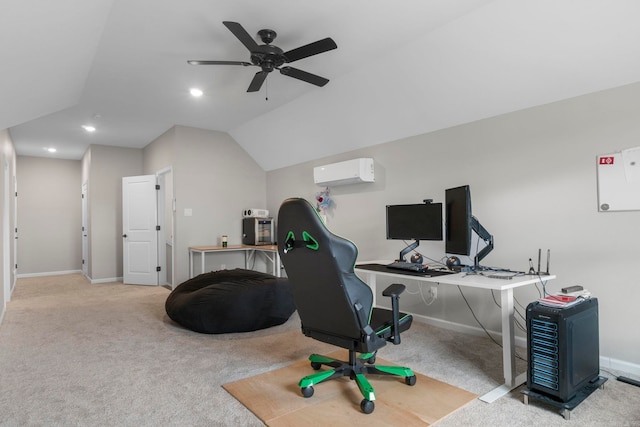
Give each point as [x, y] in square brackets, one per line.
[105, 166]
[49, 212]
[215, 178]
[533, 185]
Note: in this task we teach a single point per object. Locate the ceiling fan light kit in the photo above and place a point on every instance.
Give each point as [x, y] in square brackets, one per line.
[269, 57]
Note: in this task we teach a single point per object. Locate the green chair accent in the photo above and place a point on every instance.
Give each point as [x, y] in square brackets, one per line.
[334, 305]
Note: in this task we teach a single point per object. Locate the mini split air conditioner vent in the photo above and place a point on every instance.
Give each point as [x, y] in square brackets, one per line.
[347, 172]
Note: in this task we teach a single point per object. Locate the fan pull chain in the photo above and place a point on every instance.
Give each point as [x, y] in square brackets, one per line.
[266, 90]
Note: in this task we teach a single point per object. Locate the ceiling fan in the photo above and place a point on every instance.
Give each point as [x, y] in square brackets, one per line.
[270, 57]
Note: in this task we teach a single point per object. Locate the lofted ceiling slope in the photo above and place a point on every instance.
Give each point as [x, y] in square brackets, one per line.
[401, 69]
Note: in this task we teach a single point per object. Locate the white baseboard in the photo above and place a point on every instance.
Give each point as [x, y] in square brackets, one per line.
[605, 362]
[61, 273]
[107, 280]
[620, 365]
[466, 329]
[49, 273]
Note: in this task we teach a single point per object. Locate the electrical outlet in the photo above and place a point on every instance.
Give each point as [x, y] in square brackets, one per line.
[433, 292]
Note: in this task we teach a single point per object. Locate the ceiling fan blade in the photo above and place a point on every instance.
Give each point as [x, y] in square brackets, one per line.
[304, 76]
[242, 35]
[257, 81]
[199, 62]
[310, 49]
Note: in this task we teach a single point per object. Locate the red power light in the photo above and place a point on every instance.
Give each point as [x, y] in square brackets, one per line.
[607, 160]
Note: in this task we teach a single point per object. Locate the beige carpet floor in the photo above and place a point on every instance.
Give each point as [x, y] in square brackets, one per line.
[77, 354]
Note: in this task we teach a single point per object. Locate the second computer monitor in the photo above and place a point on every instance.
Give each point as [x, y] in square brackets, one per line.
[460, 224]
[458, 220]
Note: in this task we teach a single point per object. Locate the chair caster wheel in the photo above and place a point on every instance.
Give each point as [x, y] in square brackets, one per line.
[307, 391]
[316, 365]
[410, 380]
[371, 360]
[367, 406]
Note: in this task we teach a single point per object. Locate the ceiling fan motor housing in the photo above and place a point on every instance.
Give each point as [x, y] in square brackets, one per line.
[268, 57]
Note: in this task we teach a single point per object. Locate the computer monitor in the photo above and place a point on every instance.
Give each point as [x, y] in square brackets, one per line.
[414, 222]
[460, 224]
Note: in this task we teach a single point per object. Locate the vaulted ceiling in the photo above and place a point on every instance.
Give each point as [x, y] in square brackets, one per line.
[401, 68]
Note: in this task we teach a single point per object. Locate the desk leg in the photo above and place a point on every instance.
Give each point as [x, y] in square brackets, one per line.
[190, 264]
[275, 262]
[278, 267]
[511, 381]
[508, 337]
[271, 261]
[202, 258]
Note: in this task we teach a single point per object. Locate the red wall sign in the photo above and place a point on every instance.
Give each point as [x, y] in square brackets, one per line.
[606, 160]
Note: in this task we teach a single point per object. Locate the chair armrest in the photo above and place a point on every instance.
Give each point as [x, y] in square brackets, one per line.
[394, 290]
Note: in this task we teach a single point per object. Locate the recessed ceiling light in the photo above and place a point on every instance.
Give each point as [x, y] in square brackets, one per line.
[89, 128]
[49, 149]
[194, 91]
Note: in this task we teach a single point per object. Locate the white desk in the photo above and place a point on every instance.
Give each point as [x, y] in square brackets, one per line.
[269, 251]
[506, 287]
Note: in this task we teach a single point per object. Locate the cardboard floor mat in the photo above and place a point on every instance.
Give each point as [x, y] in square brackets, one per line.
[275, 398]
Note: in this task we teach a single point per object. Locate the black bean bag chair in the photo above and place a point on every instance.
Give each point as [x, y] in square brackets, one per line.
[231, 301]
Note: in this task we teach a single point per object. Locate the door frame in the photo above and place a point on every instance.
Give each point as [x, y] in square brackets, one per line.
[85, 231]
[166, 220]
[14, 266]
[6, 232]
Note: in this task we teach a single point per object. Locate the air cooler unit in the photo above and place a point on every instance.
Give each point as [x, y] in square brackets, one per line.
[347, 172]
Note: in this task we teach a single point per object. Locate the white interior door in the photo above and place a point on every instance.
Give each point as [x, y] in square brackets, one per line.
[140, 234]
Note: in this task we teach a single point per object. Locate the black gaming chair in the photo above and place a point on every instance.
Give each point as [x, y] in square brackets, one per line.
[334, 305]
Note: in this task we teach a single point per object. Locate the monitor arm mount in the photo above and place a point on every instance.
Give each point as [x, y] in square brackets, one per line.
[408, 249]
[415, 244]
[486, 237]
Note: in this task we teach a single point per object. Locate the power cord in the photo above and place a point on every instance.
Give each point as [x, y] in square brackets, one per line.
[622, 378]
[420, 291]
[481, 325]
[516, 311]
[475, 317]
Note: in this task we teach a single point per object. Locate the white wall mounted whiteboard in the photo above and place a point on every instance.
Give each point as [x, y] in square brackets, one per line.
[619, 181]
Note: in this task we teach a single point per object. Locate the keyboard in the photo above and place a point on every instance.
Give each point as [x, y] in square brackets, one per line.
[418, 268]
[408, 266]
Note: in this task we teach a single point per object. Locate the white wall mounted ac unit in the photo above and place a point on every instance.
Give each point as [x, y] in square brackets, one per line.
[347, 172]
